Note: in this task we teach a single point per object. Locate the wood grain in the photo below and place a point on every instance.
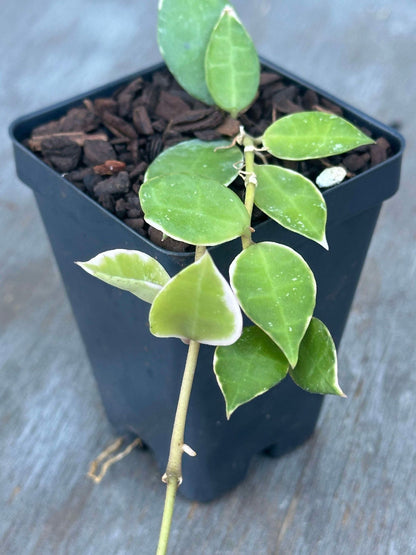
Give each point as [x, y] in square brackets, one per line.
[351, 489]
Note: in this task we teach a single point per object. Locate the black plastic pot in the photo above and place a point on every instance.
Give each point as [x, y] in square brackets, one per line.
[139, 375]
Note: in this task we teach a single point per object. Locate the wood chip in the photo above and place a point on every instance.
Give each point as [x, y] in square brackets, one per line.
[136, 224]
[62, 152]
[120, 208]
[170, 105]
[230, 127]
[138, 170]
[126, 96]
[119, 183]
[110, 167]
[107, 202]
[118, 126]
[191, 116]
[161, 79]
[97, 152]
[331, 107]
[79, 119]
[355, 162]
[378, 152]
[286, 106]
[46, 130]
[210, 121]
[142, 121]
[102, 105]
[134, 213]
[208, 135]
[310, 99]
[267, 78]
[269, 90]
[77, 137]
[154, 147]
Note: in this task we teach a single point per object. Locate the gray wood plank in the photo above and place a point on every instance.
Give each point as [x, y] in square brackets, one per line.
[351, 489]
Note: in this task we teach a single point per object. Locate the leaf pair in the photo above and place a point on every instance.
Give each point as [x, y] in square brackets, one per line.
[185, 194]
[209, 52]
[276, 289]
[286, 196]
[196, 304]
[254, 364]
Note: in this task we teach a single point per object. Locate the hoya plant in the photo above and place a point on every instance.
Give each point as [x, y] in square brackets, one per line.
[186, 196]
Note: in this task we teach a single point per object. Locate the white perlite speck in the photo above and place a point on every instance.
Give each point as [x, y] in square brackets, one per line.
[330, 177]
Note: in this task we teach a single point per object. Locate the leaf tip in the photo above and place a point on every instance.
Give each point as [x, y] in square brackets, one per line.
[229, 10]
[229, 411]
[340, 393]
[81, 264]
[324, 243]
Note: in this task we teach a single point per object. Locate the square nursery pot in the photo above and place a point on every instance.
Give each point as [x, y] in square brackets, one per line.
[139, 375]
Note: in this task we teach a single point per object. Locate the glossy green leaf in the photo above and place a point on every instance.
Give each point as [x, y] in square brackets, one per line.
[248, 368]
[316, 370]
[292, 200]
[199, 158]
[197, 211]
[132, 271]
[232, 68]
[307, 135]
[277, 290]
[184, 29]
[197, 304]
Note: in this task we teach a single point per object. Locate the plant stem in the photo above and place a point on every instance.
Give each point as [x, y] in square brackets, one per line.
[173, 474]
[250, 182]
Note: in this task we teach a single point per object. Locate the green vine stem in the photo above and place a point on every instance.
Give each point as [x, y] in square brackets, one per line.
[250, 182]
[173, 474]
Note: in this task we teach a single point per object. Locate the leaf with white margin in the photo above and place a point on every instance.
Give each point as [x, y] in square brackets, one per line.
[184, 29]
[277, 290]
[317, 369]
[248, 368]
[232, 67]
[196, 210]
[204, 159]
[308, 135]
[292, 200]
[197, 304]
[130, 270]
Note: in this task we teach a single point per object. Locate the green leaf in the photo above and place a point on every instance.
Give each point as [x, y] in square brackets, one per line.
[291, 200]
[232, 68]
[307, 135]
[197, 211]
[248, 368]
[199, 158]
[132, 271]
[197, 304]
[316, 370]
[184, 29]
[277, 290]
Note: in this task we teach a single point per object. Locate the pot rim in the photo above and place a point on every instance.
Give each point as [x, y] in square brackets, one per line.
[19, 128]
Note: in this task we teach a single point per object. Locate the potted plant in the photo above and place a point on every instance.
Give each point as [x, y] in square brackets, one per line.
[128, 362]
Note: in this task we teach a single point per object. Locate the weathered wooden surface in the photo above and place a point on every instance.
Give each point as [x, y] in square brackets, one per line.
[352, 488]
